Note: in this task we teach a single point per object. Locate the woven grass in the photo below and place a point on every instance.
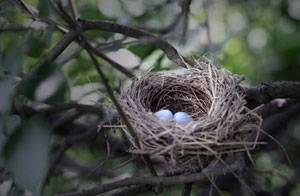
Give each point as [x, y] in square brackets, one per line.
[221, 125]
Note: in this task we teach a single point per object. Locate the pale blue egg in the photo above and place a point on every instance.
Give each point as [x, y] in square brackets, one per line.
[182, 117]
[165, 115]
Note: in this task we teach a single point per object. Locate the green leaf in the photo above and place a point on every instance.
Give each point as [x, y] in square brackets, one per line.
[48, 84]
[142, 51]
[26, 153]
[8, 124]
[38, 41]
[10, 67]
[44, 8]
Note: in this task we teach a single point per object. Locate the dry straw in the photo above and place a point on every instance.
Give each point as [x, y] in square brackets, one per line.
[221, 125]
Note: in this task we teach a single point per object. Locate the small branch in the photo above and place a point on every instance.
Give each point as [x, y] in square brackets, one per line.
[116, 65]
[265, 92]
[74, 10]
[207, 24]
[97, 109]
[69, 141]
[120, 111]
[168, 49]
[131, 191]
[185, 10]
[153, 180]
[56, 50]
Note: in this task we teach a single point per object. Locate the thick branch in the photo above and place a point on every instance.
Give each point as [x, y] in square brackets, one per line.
[168, 49]
[265, 92]
[153, 180]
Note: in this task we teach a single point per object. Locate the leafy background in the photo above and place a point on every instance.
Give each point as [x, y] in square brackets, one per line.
[258, 39]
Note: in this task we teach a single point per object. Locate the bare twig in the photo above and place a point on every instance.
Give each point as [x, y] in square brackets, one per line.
[69, 141]
[97, 109]
[116, 65]
[120, 111]
[106, 158]
[74, 10]
[207, 24]
[185, 9]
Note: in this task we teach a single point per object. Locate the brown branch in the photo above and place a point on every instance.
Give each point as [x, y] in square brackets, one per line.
[131, 191]
[74, 10]
[185, 10]
[275, 106]
[120, 111]
[265, 92]
[116, 65]
[57, 49]
[168, 49]
[154, 180]
[96, 109]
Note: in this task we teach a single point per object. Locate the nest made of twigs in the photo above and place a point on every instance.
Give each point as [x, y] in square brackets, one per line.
[221, 123]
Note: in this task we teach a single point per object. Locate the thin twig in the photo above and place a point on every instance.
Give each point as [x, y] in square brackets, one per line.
[120, 111]
[116, 65]
[74, 10]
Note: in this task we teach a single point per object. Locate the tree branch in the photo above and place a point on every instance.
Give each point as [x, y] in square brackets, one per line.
[116, 65]
[120, 111]
[265, 92]
[154, 180]
[57, 49]
[168, 49]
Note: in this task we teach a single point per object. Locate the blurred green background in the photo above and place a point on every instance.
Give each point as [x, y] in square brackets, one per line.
[256, 38]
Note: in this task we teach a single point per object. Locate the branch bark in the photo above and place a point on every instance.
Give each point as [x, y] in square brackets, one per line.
[153, 180]
[265, 92]
[168, 49]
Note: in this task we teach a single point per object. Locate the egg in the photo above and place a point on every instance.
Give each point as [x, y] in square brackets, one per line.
[182, 117]
[165, 115]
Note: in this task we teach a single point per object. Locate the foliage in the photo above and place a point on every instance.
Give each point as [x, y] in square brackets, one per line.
[39, 120]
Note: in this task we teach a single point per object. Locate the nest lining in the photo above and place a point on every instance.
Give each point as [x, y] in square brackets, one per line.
[221, 123]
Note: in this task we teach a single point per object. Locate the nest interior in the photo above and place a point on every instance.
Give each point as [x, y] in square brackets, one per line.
[221, 123]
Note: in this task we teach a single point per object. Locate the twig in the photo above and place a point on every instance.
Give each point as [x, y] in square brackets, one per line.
[185, 9]
[168, 49]
[152, 180]
[116, 65]
[69, 141]
[74, 10]
[56, 50]
[131, 191]
[120, 111]
[97, 109]
[207, 24]
[106, 158]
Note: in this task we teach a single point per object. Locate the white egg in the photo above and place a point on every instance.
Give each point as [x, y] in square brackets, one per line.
[165, 115]
[182, 117]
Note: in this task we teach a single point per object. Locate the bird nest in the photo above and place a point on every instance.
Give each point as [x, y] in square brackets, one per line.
[221, 125]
